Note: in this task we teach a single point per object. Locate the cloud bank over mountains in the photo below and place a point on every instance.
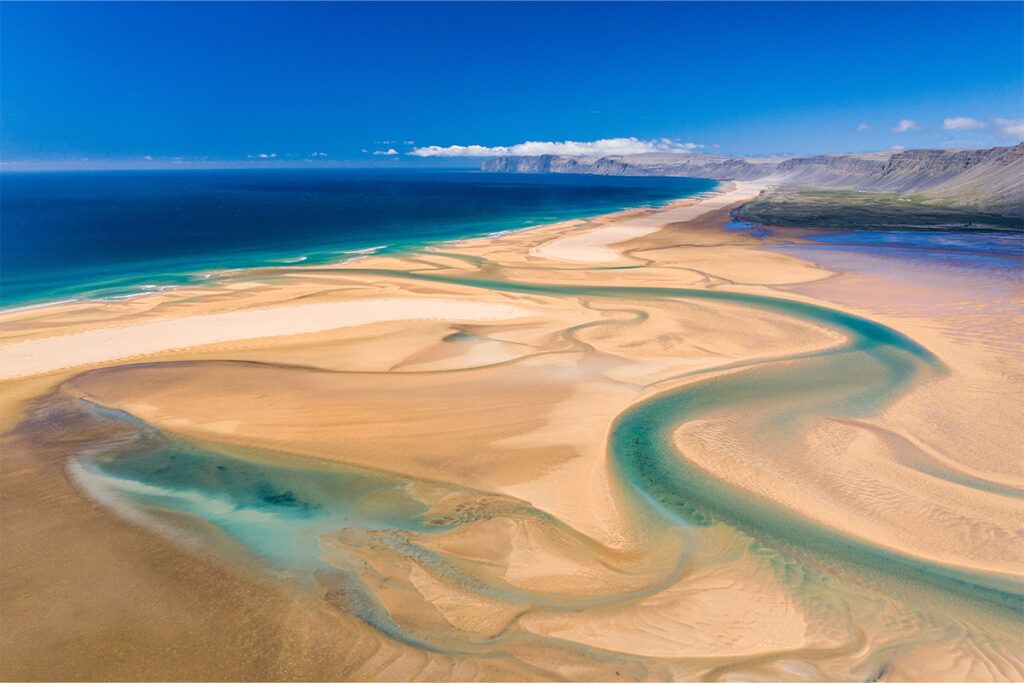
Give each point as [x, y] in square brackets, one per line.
[1012, 129]
[596, 148]
[998, 129]
[904, 125]
[961, 123]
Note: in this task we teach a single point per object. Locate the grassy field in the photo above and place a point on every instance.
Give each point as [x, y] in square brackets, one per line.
[845, 209]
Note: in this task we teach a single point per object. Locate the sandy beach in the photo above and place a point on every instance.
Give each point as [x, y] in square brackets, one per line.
[595, 246]
[138, 339]
[632, 446]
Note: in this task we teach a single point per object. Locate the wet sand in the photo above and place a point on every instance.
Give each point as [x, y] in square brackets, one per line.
[636, 446]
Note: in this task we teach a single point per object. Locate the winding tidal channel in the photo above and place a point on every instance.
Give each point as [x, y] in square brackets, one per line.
[604, 487]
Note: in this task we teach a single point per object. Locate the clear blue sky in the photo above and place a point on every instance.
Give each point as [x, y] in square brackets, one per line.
[114, 81]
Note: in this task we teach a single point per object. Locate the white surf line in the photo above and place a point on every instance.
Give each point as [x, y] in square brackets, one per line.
[133, 340]
[592, 246]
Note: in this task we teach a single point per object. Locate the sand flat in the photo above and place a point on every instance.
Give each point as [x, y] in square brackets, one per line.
[470, 399]
[140, 339]
[594, 246]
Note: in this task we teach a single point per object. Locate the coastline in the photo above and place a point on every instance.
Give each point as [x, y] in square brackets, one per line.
[116, 279]
[238, 275]
[509, 357]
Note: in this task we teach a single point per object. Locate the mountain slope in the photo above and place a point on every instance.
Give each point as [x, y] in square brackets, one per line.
[989, 180]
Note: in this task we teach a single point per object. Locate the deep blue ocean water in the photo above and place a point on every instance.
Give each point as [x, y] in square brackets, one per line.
[75, 234]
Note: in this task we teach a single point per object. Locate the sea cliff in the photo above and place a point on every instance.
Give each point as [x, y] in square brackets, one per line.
[990, 180]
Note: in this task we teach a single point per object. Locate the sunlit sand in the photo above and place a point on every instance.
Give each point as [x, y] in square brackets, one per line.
[595, 246]
[144, 338]
[636, 446]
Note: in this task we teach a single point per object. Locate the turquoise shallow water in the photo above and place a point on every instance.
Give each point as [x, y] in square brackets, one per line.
[122, 233]
[278, 511]
[310, 521]
[331, 525]
[856, 379]
[249, 500]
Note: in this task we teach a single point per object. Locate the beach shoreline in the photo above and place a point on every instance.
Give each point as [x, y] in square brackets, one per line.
[725, 192]
[119, 280]
[486, 378]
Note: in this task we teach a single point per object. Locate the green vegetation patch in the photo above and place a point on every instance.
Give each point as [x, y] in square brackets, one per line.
[852, 210]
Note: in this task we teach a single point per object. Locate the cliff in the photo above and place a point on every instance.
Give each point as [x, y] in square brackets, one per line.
[689, 165]
[992, 179]
[831, 170]
[985, 179]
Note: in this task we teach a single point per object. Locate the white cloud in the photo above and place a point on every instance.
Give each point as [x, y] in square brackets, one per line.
[961, 123]
[389, 153]
[148, 157]
[904, 125]
[264, 155]
[596, 148]
[318, 154]
[383, 142]
[1011, 128]
[863, 126]
[409, 142]
[897, 148]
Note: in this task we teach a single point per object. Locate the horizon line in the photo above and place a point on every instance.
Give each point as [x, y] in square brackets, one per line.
[406, 162]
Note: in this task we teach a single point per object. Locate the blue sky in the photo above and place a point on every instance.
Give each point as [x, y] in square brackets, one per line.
[116, 83]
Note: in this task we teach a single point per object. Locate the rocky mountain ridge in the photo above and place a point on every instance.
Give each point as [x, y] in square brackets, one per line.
[659, 164]
[991, 179]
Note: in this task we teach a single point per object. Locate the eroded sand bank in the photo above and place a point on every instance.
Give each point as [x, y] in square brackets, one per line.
[637, 446]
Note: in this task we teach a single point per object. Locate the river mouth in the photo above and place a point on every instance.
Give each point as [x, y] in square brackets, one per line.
[471, 569]
[288, 511]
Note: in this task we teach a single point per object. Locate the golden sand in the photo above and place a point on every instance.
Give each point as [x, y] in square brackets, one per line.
[496, 406]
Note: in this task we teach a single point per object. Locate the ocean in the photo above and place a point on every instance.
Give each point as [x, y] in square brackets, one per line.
[73, 235]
